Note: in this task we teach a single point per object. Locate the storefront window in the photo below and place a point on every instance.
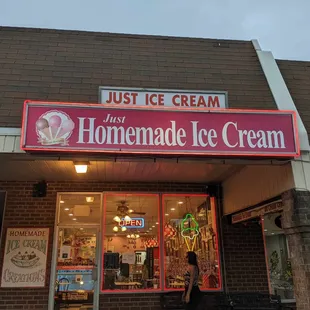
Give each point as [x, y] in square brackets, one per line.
[76, 266]
[131, 258]
[190, 225]
[278, 259]
[131, 255]
[76, 209]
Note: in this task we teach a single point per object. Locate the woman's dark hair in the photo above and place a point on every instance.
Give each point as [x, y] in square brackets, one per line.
[192, 259]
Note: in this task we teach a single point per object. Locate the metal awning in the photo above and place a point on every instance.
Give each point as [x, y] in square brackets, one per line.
[16, 165]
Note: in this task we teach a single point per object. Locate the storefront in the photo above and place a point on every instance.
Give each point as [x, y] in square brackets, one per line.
[104, 199]
[116, 242]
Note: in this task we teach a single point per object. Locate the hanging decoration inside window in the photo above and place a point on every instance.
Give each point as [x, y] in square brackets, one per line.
[169, 231]
[151, 243]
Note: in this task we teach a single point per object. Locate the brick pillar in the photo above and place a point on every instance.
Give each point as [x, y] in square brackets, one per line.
[296, 225]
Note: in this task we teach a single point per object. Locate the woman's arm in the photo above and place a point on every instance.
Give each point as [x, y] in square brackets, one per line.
[191, 283]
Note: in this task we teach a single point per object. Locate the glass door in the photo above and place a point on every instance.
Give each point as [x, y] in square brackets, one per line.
[76, 269]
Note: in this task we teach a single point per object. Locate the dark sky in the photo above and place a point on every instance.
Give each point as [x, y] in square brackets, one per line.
[281, 26]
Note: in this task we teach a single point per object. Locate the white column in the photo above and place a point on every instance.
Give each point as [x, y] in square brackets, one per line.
[279, 90]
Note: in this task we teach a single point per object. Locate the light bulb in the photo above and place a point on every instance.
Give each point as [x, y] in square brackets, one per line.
[137, 236]
[90, 199]
[117, 219]
[127, 218]
[124, 228]
[81, 168]
[132, 236]
[115, 228]
[128, 236]
[130, 210]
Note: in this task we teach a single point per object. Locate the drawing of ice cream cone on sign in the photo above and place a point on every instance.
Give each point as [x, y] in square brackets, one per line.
[54, 127]
[189, 231]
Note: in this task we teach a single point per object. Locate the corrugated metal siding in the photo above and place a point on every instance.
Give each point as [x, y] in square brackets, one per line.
[10, 140]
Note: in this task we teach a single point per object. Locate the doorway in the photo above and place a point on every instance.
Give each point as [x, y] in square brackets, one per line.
[77, 243]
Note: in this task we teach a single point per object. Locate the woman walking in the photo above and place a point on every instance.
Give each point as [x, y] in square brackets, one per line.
[192, 295]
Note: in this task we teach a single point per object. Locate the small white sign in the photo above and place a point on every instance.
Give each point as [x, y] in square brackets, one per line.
[25, 253]
[129, 258]
[163, 98]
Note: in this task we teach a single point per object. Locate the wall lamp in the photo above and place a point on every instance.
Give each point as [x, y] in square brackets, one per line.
[81, 166]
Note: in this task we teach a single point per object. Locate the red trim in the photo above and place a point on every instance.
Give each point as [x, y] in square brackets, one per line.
[46, 284]
[295, 125]
[103, 234]
[139, 291]
[265, 252]
[25, 108]
[101, 106]
[74, 267]
[217, 244]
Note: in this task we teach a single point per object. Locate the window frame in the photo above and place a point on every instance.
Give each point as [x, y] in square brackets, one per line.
[160, 197]
[120, 291]
[54, 260]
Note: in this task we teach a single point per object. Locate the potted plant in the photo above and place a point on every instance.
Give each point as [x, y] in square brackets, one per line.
[288, 276]
[274, 262]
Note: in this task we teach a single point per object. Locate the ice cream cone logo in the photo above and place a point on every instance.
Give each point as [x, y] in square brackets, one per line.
[54, 128]
[189, 231]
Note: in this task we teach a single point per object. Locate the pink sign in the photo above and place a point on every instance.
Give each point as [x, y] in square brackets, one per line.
[65, 127]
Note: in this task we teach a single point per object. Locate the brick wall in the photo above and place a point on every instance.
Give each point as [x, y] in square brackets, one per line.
[21, 211]
[296, 225]
[296, 75]
[130, 302]
[245, 262]
[243, 246]
[58, 65]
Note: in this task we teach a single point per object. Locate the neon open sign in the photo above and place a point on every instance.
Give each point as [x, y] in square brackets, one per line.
[132, 223]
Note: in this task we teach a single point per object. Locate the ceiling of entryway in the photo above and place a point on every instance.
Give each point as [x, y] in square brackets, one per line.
[23, 169]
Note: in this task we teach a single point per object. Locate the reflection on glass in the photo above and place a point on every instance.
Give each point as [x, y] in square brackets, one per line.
[75, 262]
[280, 271]
[190, 225]
[130, 242]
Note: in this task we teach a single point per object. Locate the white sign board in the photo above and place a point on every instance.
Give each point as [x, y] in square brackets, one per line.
[129, 258]
[25, 253]
[163, 98]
